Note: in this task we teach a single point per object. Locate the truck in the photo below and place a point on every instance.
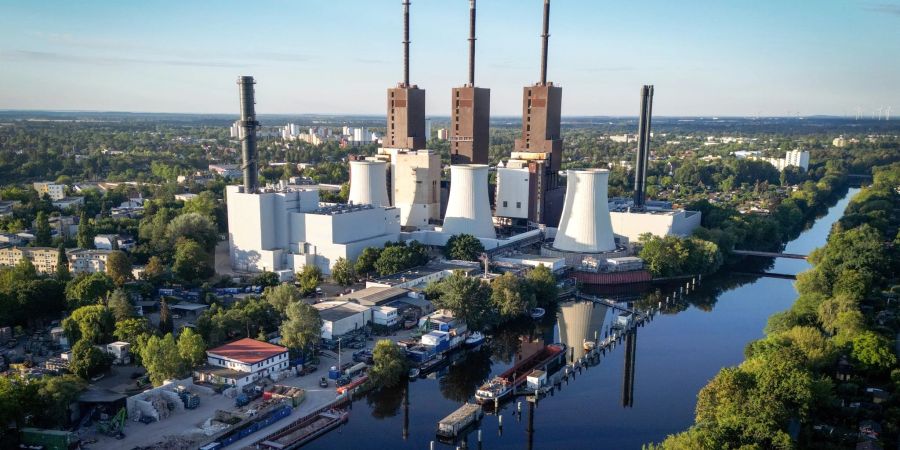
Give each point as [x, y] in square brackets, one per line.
[49, 439]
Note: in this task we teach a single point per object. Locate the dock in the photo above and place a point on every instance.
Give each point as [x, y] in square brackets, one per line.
[450, 426]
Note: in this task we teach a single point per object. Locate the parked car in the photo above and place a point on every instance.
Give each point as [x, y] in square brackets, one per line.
[323, 383]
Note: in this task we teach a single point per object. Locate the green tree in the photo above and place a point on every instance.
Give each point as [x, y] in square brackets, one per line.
[365, 263]
[88, 289]
[86, 233]
[468, 298]
[165, 317]
[161, 358]
[389, 368]
[135, 331]
[92, 323]
[42, 236]
[541, 283]
[87, 360]
[282, 296]
[266, 279]
[302, 328]
[54, 398]
[309, 278]
[463, 246]
[62, 264]
[118, 267]
[874, 351]
[510, 297]
[191, 261]
[154, 271]
[120, 305]
[194, 227]
[191, 348]
[342, 272]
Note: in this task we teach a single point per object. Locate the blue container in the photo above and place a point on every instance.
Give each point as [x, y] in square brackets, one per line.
[334, 373]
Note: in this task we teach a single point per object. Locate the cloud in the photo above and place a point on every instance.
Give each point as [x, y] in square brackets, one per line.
[53, 57]
[883, 8]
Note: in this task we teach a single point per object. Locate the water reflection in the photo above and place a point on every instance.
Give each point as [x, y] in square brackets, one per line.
[463, 378]
[628, 371]
[580, 326]
[385, 402]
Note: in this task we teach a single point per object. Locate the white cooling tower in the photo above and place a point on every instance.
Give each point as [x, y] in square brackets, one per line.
[468, 208]
[368, 183]
[585, 225]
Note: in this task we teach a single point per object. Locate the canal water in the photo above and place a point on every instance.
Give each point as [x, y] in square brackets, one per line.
[611, 405]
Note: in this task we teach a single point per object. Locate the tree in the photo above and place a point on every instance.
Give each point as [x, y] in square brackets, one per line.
[92, 323]
[309, 278]
[42, 237]
[303, 327]
[510, 297]
[87, 360]
[191, 261]
[135, 331]
[542, 284]
[54, 398]
[467, 298]
[118, 267]
[342, 272]
[62, 264]
[191, 348]
[194, 227]
[154, 271]
[120, 305]
[365, 263]
[165, 317]
[266, 279]
[161, 358]
[463, 246]
[282, 296]
[85, 235]
[88, 289]
[389, 366]
[874, 351]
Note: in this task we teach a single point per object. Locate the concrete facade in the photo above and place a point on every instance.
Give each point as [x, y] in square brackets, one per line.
[511, 196]
[415, 185]
[658, 223]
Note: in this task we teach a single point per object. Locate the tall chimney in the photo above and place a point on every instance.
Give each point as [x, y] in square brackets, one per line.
[406, 43]
[472, 43]
[544, 38]
[248, 137]
[643, 153]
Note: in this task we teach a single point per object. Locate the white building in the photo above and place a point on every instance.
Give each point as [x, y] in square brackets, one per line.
[68, 202]
[656, 222]
[185, 197]
[341, 317]
[795, 158]
[87, 260]
[511, 196]
[245, 361]
[415, 183]
[285, 229]
[53, 190]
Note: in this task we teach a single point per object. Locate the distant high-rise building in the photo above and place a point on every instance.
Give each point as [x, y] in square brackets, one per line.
[470, 113]
[405, 104]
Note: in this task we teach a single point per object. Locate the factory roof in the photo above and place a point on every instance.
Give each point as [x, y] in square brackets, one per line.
[337, 310]
[376, 295]
[189, 306]
[247, 351]
[340, 208]
[424, 271]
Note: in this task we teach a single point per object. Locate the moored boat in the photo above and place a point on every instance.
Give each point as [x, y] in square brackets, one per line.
[474, 339]
[537, 313]
[504, 384]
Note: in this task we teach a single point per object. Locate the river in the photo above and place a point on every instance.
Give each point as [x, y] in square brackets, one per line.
[674, 356]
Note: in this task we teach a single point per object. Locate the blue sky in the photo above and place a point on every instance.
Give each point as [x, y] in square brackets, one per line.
[717, 57]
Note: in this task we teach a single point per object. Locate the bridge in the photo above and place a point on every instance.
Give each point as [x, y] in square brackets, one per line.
[769, 254]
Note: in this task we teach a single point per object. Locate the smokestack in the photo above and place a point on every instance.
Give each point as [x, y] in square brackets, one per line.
[643, 153]
[406, 43]
[469, 208]
[248, 139]
[585, 225]
[544, 38]
[472, 43]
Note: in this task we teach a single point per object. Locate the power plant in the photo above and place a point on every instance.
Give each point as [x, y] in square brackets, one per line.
[368, 183]
[585, 226]
[469, 209]
[470, 113]
[405, 104]
[643, 152]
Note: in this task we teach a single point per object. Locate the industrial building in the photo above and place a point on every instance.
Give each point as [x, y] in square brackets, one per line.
[242, 362]
[340, 317]
[470, 113]
[415, 185]
[405, 104]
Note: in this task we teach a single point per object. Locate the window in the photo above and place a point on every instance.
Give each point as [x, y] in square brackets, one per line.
[518, 205]
[504, 203]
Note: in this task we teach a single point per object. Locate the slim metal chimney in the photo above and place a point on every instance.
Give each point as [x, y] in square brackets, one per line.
[406, 43]
[472, 43]
[544, 41]
[248, 136]
[643, 153]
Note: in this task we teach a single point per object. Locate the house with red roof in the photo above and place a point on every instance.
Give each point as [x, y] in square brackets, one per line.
[242, 362]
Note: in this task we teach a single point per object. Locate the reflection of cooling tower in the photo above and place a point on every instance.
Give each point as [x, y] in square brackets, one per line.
[579, 322]
[368, 183]
[468, 209]
[585, 225]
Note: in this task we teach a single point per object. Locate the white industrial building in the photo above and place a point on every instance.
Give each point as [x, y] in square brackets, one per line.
[469, 207]
[341, 317]
[282, 230]
[415, 185]
[511, 198]
[663, 222]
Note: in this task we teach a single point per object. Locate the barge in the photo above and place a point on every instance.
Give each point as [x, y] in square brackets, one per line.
[452, 426]
[505, 383]
[304, 430]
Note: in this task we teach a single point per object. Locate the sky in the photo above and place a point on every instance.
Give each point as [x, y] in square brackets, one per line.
[705, 58]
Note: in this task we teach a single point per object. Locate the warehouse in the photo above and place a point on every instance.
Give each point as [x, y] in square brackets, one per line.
[342, 317]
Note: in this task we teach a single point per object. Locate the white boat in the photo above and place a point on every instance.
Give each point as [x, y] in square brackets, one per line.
[537, 313]
[413, 373]
[474, 339]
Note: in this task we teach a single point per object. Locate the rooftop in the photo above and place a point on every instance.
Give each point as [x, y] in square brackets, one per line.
[424, 271]
[376, 295]
[247, 351]
[337, 310]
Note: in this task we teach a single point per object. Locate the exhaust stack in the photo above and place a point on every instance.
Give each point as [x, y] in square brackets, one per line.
[643, 153]
[248, 137]
[545, 37]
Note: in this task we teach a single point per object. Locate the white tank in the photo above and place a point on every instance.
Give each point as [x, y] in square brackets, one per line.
[368, 183]
[585, 225]
[468, 208]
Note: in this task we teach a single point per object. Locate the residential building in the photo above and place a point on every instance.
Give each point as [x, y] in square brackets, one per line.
[53, 190]
[87, 260]
[68, 202]
[43, 258]
[242, 362]
[186, 197]
[113, 242]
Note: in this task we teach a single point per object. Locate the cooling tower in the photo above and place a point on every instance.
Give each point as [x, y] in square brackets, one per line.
[368, 183]
[585, 225]
[468, 209]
